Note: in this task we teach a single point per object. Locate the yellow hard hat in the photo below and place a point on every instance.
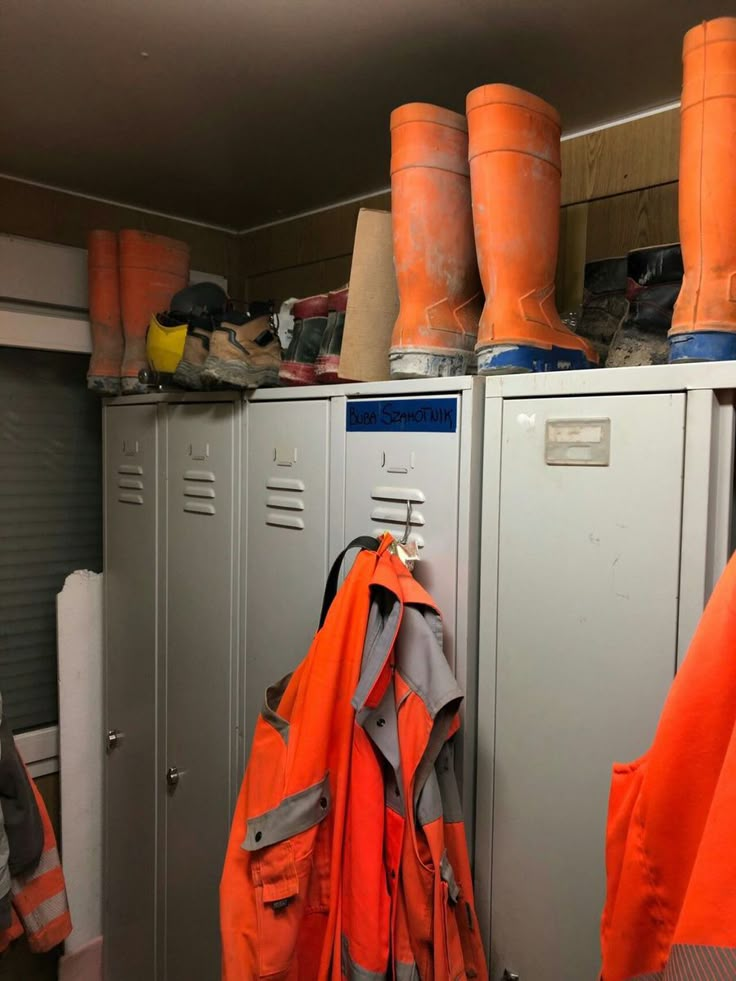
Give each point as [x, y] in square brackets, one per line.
[165, 342]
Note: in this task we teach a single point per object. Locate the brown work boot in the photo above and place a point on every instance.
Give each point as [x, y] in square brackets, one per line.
[244, 352]
[188, 373]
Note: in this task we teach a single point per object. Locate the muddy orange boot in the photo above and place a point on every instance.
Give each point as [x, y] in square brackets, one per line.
[152, 269]
[704, 318]
[434, 254]
[514, 142]
[103, 375]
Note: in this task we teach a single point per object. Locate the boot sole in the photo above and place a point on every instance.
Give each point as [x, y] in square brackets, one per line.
[506, 359]
[188, 375]
[429, 364]
[104, 385]
[297, 373]
[133, 386]
[703, 345]
[238, 375]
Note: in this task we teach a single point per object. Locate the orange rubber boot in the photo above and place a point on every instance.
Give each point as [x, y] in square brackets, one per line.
[515, 178]
[704, 318]
[434, 255]
[103, 375]
[152, 269]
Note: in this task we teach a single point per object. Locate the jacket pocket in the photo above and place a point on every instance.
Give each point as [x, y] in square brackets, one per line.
[290, 871]
[622, 833]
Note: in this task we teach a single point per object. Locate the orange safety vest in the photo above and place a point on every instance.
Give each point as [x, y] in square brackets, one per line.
[670, 911]
[347, 855]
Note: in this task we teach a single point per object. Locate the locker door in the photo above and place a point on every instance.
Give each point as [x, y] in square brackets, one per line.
[591, 496]
[201, 623]
[408, 450]
[131, 487]
[287, 554]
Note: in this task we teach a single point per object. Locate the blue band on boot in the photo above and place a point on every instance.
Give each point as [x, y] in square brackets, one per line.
[703, 345]
[525, 357]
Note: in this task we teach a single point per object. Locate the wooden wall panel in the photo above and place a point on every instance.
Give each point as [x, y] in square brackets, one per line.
[305, 280]
[631, 221]
[642, 153]
[54, 216]
[322, 235]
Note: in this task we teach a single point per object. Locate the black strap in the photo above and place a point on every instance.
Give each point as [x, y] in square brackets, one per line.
[362, 542]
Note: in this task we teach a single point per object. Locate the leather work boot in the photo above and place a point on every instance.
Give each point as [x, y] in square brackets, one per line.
[327, 365]
[310, 323]
[604, 302]
[704, 320]
[245, 352]
[188, 373]
[654, 280]
[202, 306]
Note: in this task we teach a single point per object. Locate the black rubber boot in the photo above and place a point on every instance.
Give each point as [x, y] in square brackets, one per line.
[654, 280]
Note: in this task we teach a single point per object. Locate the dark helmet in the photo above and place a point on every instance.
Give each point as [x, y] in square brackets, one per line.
[198, 300]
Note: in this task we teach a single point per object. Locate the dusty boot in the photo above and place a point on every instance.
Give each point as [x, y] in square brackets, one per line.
[434, 254]
[515, 177]
[202, 307]
[244, 352]
[103, 375]
[604, 302]
[310, 323]
[152, 269]
[327, 365]
[704, 320]
[654, 279]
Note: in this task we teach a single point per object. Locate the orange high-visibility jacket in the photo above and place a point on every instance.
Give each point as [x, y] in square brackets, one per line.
[347, 855]
[39, 899]
[670, 911]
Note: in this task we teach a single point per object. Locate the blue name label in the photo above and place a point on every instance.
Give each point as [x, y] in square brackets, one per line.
[402, 416]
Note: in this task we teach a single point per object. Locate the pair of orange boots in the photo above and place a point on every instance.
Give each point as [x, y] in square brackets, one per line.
[486, 184]
[132, 275]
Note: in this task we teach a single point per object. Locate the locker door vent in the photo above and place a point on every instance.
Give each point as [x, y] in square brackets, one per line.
[288, 500]
[129, 481]
[197, 493]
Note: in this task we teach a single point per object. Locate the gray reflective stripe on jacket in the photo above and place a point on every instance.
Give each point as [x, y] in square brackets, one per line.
[354, 972]
[290, 817]
[4, 859]
[419, 659]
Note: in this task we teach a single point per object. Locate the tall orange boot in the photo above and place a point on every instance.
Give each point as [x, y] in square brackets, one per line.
[103, 375]
[515, 177]
[704, 318]
[152, 269]
[434, 254]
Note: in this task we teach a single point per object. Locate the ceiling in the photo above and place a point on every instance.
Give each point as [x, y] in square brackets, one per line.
[240, 112]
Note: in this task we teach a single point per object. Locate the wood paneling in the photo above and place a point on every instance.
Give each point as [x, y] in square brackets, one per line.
[630, 221]
[642, 153]
[54, 216]
[313, 277]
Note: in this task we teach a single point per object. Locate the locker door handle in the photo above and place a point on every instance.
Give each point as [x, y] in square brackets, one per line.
[509, 976]
[114, 739]
[172, 776]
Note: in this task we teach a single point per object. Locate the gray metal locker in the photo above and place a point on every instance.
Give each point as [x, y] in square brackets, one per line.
[131, 602]
[202, 559]
[287, 550]
[411, 451]
[607, 500]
